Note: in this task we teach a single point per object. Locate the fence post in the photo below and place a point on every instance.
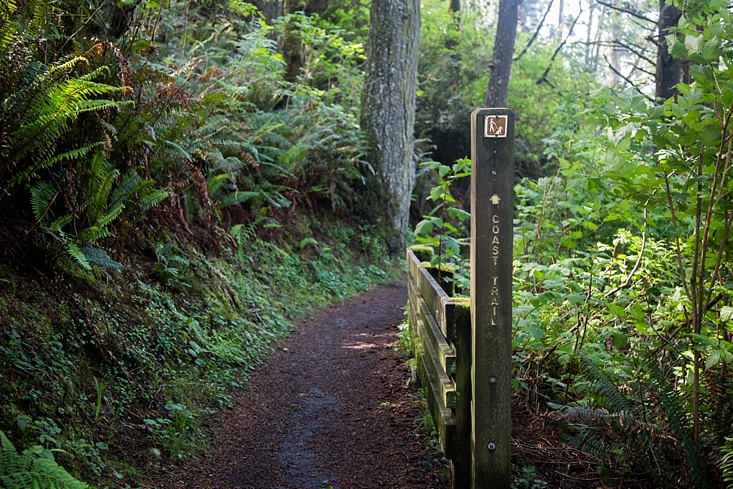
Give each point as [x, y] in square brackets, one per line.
[492, 214]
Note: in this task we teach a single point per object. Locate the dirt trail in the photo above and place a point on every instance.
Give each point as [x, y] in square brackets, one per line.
[330, 409]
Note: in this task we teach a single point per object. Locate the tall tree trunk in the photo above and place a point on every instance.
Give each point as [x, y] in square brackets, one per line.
[560, 20]
[589, 37]
[670, 71]
[501, 66]
[616, 50]
[388, 116]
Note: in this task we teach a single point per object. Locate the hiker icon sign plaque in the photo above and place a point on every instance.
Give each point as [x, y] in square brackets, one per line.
[495, 126]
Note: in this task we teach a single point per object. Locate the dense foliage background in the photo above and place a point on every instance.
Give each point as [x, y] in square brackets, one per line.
[170, 168]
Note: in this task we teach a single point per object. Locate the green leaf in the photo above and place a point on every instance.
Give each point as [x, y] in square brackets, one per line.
[459, 214]
[437, 193]
[726, 313]
[692, 43]
[424, 227]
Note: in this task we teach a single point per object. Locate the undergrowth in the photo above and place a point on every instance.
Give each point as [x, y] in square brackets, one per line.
[117, 372]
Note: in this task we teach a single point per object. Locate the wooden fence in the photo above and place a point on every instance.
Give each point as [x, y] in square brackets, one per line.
[441, 332]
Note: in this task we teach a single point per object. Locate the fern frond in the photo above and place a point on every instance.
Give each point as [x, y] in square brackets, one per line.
[74, 154]
[125, 188]
[57, 225]
[7, 27]
[680, 423]
[93, 233]
[100, 258]
[617, 403]
[42, 194]
[31, 469]
[238, 197]
[176, 149]
[77, 256]
[101, 197]
[152, 197]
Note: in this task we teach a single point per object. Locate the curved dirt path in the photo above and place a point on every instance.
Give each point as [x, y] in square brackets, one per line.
[331, 409]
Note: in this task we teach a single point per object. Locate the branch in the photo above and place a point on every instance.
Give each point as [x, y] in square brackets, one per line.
[639, 68]
[626, 11]
[632, 48]
[543, 78]
[627, 282]
[626, 79]
[536, 32]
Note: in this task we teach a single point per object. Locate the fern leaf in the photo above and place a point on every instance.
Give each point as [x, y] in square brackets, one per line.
[78, 256]
[42, 195]
[100, 258]
[57, 225]
[216, 182]
[101, 196]
[176, 149]
[125, 188]
[7, 27]
[92, 234]
[236, 198]
[616, 401]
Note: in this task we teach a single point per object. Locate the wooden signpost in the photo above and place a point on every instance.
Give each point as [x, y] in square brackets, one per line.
[466, 366]
[492, 215]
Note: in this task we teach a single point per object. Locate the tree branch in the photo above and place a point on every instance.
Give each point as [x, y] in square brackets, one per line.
[626, 79]
[536, 32]
[543, 78]
[626, 11]
[627, 283]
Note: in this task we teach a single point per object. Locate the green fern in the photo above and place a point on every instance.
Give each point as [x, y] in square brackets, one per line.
[100, 258]
[32, 469]
[7, 27]
[726, 462]
[78, 256]
[42, 195]
[679, 423]
[50, 100]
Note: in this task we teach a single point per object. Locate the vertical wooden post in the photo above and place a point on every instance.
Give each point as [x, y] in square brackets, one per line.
[492, 214]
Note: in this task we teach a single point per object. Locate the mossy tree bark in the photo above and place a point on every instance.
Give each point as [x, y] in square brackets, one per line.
[670, 71]
[501, 67]
[388, 116]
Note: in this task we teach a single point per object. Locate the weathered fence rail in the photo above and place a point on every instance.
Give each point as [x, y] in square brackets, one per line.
[441, 332]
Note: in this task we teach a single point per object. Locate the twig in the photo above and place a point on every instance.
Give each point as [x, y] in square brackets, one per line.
[543, 78]
[626, 11]
[42, 215]
[610, 65]
[627, 283]
[536, 32]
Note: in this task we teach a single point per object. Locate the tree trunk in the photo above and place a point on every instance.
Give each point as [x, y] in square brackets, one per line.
[388, 116]
[670, 71]
[616, 51]
[501, 66]
[454, 6]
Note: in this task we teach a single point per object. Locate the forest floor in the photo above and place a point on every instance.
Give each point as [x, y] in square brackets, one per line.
[334, 408]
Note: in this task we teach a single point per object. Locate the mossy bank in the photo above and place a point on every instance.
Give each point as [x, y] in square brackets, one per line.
[115, 372]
